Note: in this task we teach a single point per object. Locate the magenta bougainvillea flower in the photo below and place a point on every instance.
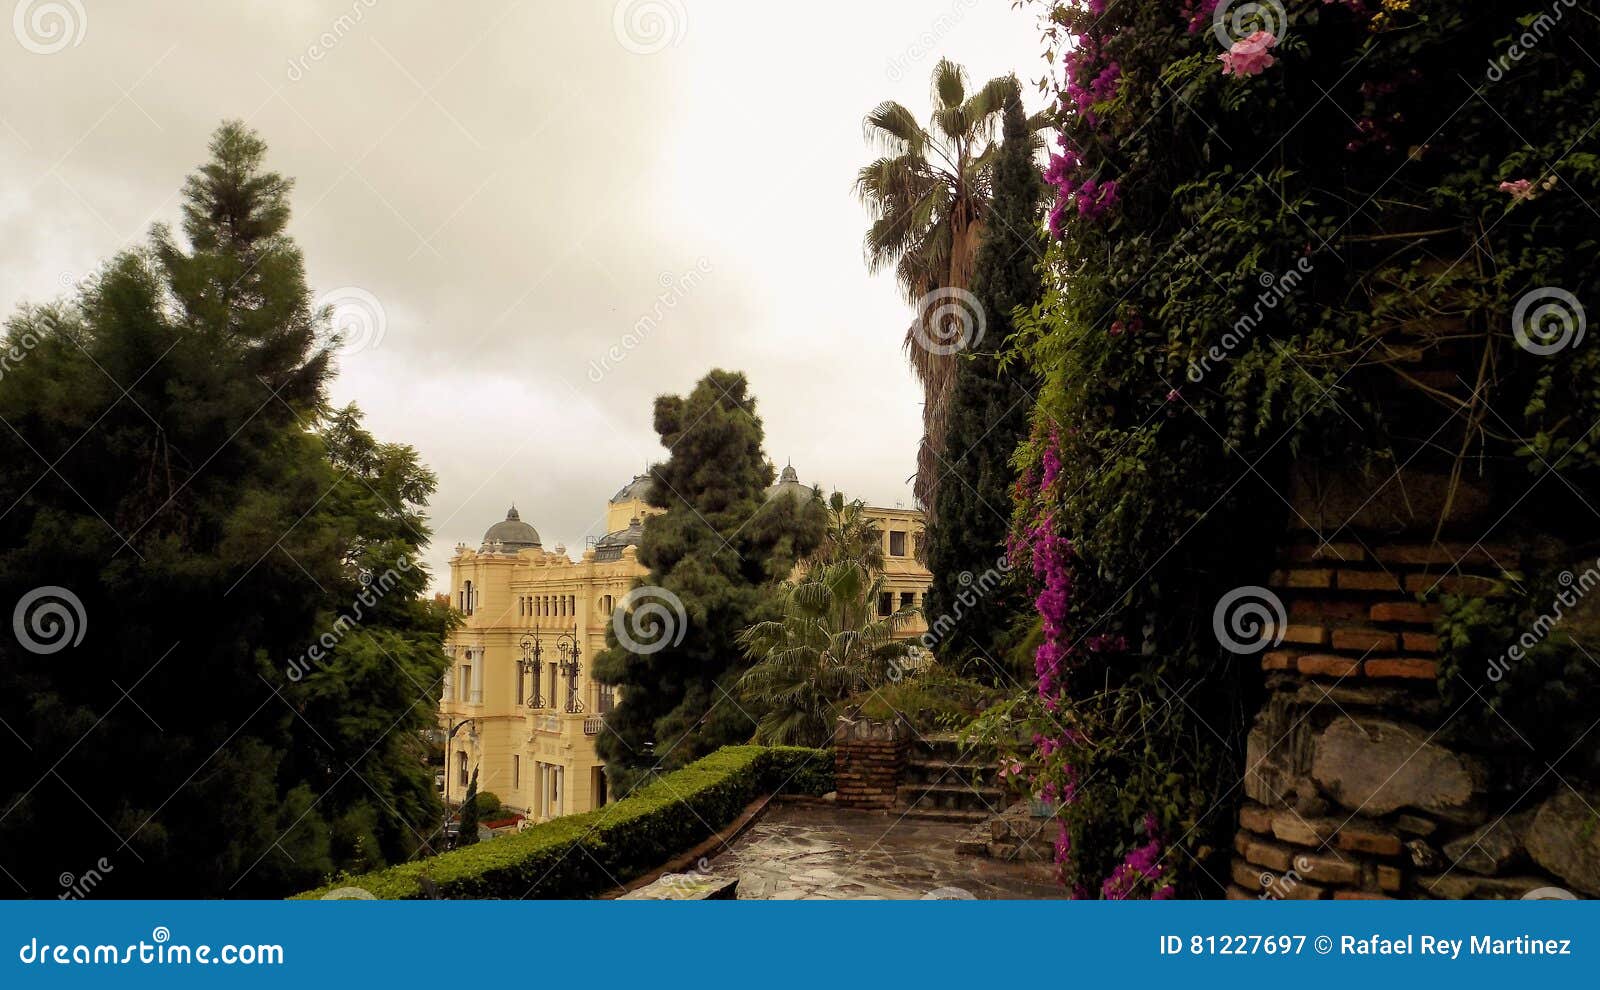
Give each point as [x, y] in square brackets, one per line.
[1250, 55]
[1520, 189]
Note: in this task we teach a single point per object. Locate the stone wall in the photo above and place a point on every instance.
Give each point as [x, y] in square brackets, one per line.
[1354, 787]
[869, 758]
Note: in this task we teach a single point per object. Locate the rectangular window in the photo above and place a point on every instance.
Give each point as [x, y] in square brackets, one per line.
[516, 772]
[886, 603]
[908, 599]
[465, 692]
[521, 687]
[897, 543]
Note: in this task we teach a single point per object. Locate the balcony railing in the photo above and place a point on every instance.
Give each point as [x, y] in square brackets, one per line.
[594, 725]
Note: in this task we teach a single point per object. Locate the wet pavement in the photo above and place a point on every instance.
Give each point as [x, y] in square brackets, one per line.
[810, 852]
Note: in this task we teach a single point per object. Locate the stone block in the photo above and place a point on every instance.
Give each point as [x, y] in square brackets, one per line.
[1377, 766]
[1564, 838]
[1403, 669]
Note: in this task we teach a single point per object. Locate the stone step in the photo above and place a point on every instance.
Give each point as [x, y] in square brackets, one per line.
[943, 815]
[962, 797]
[950, 749]
[973, 772]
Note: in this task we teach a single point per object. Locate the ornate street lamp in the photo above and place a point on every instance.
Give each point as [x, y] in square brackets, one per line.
[532, 651]
[567, 649]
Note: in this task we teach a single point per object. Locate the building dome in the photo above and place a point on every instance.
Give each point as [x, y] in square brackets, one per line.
[611, 545]
[637, 489]
[789, 484]
[511, 535]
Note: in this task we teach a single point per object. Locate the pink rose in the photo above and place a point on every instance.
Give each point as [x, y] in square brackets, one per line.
[1249, 56]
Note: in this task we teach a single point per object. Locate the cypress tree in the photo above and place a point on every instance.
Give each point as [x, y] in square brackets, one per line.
[468, 836]
[989, 415]
[717, 556]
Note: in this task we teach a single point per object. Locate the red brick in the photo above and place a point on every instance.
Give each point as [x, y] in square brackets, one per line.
[1324, 665]
[1414, 613]
[1388, 878]
[1315, 610]
[1367, 581]
[1277, 660]
[1416, 642]
[1309, 578]
[1333, 553]
[1358, 895]
[1454, 584]
[1365, 640]
[1367, 841]
[1328, 870]
[1421, 670]
[1447, 555]
[1305, 635]
[1255, 818]
[1239, 894]
[1270, 855]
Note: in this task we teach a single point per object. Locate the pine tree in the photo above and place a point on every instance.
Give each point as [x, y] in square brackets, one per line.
[168, 477]
[989, 414]
[721, 549]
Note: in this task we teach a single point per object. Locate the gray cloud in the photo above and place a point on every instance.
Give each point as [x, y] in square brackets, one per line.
[520, 190]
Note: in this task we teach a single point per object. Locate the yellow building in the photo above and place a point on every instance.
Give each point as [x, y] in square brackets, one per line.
[519, 704]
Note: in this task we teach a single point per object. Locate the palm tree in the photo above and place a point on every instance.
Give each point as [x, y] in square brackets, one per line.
[929, 198]
[829, 645]
[850, 534]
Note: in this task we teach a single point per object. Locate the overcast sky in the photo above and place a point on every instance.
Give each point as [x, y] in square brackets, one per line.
[503, 191]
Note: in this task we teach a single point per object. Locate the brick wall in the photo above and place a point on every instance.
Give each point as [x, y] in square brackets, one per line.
[1351, 789]
[869, 758]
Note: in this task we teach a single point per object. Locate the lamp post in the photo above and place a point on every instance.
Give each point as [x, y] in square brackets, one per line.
[445, 831]
[532, 653]
[567, 649]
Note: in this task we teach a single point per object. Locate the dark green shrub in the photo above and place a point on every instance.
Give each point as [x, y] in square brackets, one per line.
[581, 855]
[488, 805]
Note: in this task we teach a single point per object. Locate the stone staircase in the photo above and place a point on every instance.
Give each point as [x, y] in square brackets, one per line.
[1014, 836]
[944, 782]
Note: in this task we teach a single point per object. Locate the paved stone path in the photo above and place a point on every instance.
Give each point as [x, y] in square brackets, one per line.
[805, 852]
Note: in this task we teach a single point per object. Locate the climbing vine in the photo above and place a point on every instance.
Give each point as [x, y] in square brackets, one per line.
[1352, 233]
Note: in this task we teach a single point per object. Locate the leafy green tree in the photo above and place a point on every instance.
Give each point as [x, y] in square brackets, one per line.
[717, 557]
[929, 200]
[991, 406]
[849, 534]
[172, 490]
[469, 813]
[828, 645]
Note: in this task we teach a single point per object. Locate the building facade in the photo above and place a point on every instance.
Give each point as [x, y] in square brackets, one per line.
[519, 704]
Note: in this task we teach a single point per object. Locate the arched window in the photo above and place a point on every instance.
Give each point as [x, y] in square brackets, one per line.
[461, 768]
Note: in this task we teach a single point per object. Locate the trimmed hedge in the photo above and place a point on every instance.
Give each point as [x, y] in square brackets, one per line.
[579, 856]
